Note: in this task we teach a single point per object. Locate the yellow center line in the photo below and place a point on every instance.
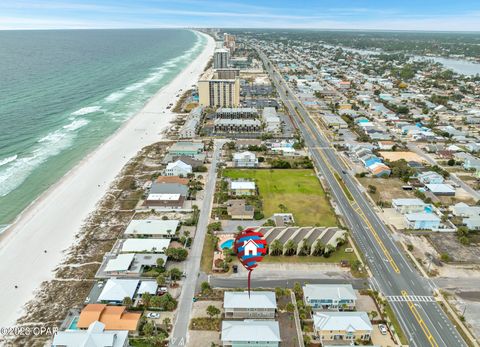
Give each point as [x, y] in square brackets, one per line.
[419, 320]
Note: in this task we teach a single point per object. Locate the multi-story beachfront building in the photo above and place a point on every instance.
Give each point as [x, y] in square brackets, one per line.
[221, 58]
[214, 90]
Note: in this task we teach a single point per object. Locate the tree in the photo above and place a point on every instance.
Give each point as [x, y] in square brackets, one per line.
[328, 250]
[373, 314]
[148, 329]
[276, 248]
[161, 280]
[290, 248]
[290, 307]
[160, 265]
[304, 248]
[451, 162]
[166, 323]
[205, 287]
[372, 189]
[146, 297]
[177, 253]
[158, 339]
[127, 301]
[318, 249]
[175, 274]
[212, 311]
[155, 301]
[297, 289]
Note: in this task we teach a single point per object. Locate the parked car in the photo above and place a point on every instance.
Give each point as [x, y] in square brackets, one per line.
[235, 268]
[153, 315]
[383, 329]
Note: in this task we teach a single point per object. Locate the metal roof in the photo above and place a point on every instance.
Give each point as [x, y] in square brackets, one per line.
[260, 299]
[251, 331]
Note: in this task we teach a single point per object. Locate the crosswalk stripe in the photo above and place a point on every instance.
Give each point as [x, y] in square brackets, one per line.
[412, 298]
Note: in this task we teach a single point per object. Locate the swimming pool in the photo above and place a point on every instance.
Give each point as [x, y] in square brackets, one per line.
[73, 324]
[227, 244]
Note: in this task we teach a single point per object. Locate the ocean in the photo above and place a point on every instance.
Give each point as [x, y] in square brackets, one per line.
[63, 92]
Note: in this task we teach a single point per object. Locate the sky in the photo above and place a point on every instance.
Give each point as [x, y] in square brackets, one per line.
[438, 15]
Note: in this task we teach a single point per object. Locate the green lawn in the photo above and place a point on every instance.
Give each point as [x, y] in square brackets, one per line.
[298, 190]
[335, 257]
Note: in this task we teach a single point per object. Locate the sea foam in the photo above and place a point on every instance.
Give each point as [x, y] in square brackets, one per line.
[86, 110]
[7, 160]
[13, 175]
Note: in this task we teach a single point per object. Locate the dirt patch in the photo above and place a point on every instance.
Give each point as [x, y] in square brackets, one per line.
[448, 244]
[407, 156]
[386, 189]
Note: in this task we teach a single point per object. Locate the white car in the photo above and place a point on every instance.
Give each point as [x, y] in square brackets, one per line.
[153, 315]
[383, 329]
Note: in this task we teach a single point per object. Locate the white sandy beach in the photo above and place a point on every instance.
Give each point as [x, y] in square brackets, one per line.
[52, 222]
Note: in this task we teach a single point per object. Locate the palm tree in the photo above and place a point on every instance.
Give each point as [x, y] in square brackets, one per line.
[304, 248]
[276, 248]
[318, 249]
[146, 300]
[127, 301]
[290, 248]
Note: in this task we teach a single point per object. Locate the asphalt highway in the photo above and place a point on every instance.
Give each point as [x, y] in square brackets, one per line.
[424, 322]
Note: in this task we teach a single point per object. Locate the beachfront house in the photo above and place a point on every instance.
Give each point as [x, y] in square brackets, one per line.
[336, 297]
[187, 148]
[178, 168]
[95, 335]
[166, 196]
[260, 333]
[115, 290]
[151, 228]
[113, 317]
[258, 304]
[347, 326]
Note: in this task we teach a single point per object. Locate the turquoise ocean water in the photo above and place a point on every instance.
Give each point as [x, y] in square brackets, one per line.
[62, 92]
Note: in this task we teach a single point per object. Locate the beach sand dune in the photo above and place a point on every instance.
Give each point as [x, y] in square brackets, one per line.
[52, 221]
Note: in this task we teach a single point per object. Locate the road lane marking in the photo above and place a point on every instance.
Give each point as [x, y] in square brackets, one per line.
[419, 319]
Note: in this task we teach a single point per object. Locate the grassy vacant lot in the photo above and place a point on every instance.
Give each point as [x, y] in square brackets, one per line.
[298, 190]
[335, 257]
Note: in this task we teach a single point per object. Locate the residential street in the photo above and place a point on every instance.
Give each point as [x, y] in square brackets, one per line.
[192, 267]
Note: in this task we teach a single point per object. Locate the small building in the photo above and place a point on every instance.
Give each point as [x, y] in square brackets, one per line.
[408, 205]
[441, 189]
[178, 168]
[271, 119]
[430, 177]
[422, 221]
[114, 317]
[115, 290]
[242, 188]
[95, 335]
[386, 145]
[256, 304]
[239, 209]
[245, 159]
[261, 333]
[336, 297]
[472, 223]
[333, 121]
[153, 228]
[189, 149]
[348, 326]
[463, 210]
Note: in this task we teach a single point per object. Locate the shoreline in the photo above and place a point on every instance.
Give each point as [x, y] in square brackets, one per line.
[52, 221]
